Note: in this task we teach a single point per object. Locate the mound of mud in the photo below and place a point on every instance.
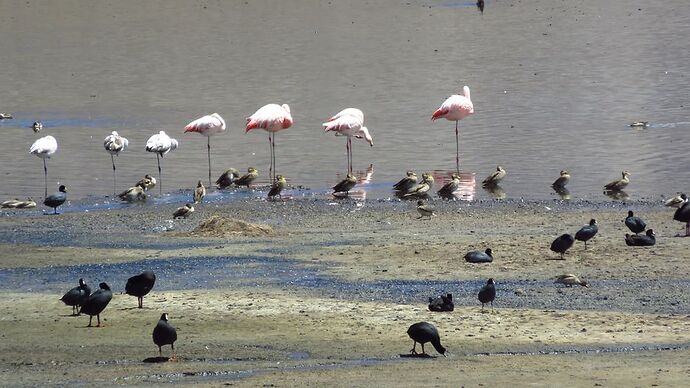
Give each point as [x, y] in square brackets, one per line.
[219, 226]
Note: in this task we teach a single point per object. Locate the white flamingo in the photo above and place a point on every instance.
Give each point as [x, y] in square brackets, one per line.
[455, 108]
[271, 118]
[349, 122]
[114, 144]
[161, 144]
[44, 148]
[208, 126]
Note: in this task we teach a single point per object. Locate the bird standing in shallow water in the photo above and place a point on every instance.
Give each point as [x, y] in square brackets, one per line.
[37, 126]
[161, 144]
[227, 178]
[133, 194]
[495, 178]
[349, 122]
[424, 332]
[448, 190]
[407, 183]
[140, 285]
[77, 296]
[147, 182]
[562, 243]
[208, 126]
[570, 280]
[561, 181]
[271, 118]
[635, 224]
[199, 193]
[278, 186]
[422, 188]
[455, 108]
[346, 184]
[618, 184]
[248, 178]
[646, 240]
[44, 148]
[487, 294]
[587, 232]
[97, 302]
[114, 144]
[165, 334]
[56, 199]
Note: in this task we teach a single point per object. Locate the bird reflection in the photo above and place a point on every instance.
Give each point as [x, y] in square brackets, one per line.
[495, 190]
[362, 178]
[619, 195]
[562, 192]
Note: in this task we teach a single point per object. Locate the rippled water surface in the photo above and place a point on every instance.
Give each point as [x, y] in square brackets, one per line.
[554, 83]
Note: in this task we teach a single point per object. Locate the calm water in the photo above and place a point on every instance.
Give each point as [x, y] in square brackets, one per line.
[554, 84]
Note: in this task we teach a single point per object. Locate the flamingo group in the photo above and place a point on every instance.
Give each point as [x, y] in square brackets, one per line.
[208, 126]
[272, 118]
[455, 108]
[349, 122]
[160, 144]
[114, 144]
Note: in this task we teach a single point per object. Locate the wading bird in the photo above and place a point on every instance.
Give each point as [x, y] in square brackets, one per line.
[161, 144]
[456, 108]
[271, 118]
[114, 144]
[44, 148]
[208, 126]
[349, 122]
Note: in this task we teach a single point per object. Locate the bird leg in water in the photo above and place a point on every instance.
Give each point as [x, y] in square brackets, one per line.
[208, 151]
[160, 181]
[457, 149]
[270, 149]
[45, 178]
[112, 159]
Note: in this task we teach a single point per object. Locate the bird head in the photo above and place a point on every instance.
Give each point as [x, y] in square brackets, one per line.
[62, 189]
[104, 286]
[592, 221]
[82, 282]
[164, 317]
[489, 252]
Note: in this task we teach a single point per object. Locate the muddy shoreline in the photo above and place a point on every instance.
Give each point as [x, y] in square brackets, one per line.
[328, 294]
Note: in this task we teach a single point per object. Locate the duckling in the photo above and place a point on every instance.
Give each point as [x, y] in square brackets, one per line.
[227, 178]
[184, 211]
[278, 186]
[562, 180]
[346, 184]
[199, 192]
[619, 184]
[248, 178]
[495, 178]
[570, 280]
[147, 183]
[407, 183]
[676, 201]
[424, 210]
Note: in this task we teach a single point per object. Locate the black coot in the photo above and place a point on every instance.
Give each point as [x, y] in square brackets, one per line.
[587, 232]
[635, 224]
[97, 303]
[77, 296]
[424, 332]
[164, 334]
[56, 199]
[562, 243]
[487, 293]
[140, 285]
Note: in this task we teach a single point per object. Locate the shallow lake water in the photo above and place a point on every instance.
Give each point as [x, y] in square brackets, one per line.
[554, 84]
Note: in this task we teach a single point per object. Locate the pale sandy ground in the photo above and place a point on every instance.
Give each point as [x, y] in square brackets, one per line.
[289, 337]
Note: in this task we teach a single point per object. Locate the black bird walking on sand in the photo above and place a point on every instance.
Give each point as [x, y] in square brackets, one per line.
[587, 232]
[562, 243]
[56, 199]
[164, 334]
[97, 302]
[683, 215]
[637, 240]
[77, 296]
[140, 285]
[635, 224]
[487, 293]
[424, 332]
[479, 256]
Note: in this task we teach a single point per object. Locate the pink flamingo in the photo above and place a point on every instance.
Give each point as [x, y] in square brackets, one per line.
[271, 118]
[349, 122]
[208, 126]
[455, 108]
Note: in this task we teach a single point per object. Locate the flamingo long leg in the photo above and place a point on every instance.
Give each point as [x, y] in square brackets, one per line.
[160, 181]
[208, 150]
[45, 178]
[457, 149]
[112, 159]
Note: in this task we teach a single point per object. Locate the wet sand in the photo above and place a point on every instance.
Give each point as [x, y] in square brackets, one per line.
[629, 328]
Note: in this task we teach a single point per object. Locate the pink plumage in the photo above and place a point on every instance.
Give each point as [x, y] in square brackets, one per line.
[456, 107]
[271, 117]
[349, 122]
[208, 125]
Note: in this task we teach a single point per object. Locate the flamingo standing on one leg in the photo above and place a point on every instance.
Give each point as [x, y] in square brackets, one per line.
[208, 126]
[349, 122]
[114, 144]
[272, 118]
[161, 144]
[44, 148]
[456, 108]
